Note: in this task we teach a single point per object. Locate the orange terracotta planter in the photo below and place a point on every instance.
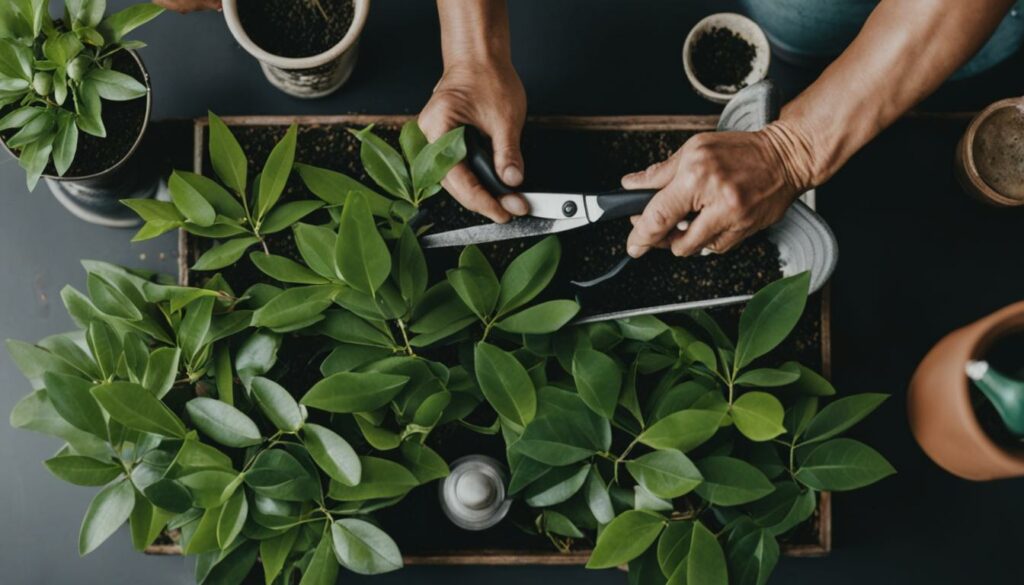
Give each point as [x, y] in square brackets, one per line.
[939, 402]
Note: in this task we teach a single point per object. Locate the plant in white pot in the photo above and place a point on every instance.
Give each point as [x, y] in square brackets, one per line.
[307, 48]
[75, 102]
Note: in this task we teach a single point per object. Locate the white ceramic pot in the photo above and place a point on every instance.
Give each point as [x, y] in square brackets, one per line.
[305, 77]
[746, 29]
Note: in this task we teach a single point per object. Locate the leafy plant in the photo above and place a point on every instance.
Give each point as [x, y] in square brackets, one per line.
[682, 450]
[55, 74]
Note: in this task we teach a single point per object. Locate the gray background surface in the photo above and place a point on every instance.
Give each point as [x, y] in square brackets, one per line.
[916, 262]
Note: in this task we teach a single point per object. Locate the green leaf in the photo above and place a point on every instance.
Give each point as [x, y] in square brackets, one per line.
[81, 470]
[334, 188]
[812, 383]
[684, 430]
[384, 165]
[529, 274]
[564, 430]
[410, 267]
[169, 494]
[119, 24]
[543, 318]
[411, 140]
[840, 416]
[223, 423]
[274, 552]
[625, 538]
[71, 398]
[195, 327]
[90, 110]
[161, 370]
[225, 254]
[770, 377]
[435, 160]
[229, 161]
[753, 554]
[770, 316]
[333, 454]
[841, 465]
[363, 548]
[278, 474]
[704, 562]
[380, 479]
[107, 512]
[223, 202]
[598, 499]
[257, 355]
[34, 362]
[354, 391]
[232, 517]
[285, 215]
[147, 522]
[666, 474]
[556, 523]
[277, 404]
[598, 380]
[475, 282]
[277, 170]
[556, 486]
[641, 328]
[674, 546]
[190, 202]
[361, 256]
[283, 269]
[784, 509]
[137, 408]
[758, 415]
[295, 306]
[423, 462]
[323, 566]
[116, 86]
[505, 383]
[65, 144]
[730, 482]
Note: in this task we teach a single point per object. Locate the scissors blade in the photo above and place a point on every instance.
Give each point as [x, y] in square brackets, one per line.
[556, 205]
[522, 227]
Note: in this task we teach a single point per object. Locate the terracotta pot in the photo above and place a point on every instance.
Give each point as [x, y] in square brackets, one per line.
[995, 131]
[939, 402]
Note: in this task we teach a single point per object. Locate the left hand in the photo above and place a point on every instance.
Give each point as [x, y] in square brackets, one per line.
[737, 183]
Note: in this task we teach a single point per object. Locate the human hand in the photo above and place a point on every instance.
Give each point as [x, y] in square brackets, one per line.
[186, 6]
[489, 96]
[737, 183]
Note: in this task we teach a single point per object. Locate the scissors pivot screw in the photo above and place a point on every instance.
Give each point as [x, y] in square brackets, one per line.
[569, 208]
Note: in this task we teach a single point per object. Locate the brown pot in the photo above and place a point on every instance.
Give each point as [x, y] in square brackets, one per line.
[939, 402]
[1000, 134]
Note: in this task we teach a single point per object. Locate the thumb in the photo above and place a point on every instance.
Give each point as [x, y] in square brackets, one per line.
[508, 159]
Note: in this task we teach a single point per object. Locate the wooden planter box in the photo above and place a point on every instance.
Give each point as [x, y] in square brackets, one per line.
[815, 540]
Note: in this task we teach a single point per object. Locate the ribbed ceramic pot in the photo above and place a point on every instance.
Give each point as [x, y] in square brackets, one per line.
[96, 198]
[996, 135]
[305, 77]
[812, 32]
[939, 406]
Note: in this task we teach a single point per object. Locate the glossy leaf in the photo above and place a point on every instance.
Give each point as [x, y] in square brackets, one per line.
[380, 479]
[354, 391]
[224, 254]
[529, 274]
[434, 160]
[71, 398]
[223, 423]
[333, 454]
[81, 470]
[770, 316]
[363, 548]
[625, 538]
[730, 482]
[361, 256]
[841, 465]
[505, 383]
[557, 486]
[277, 404]
[475, 282]
[543, 318]
[323, 565]
[229, 161]
[137, 408]
[276, 171]
[598, 380]
[840, 415]
[758, 415]
[383, 163]
[684, 430]
[107, 512]
[666, 474]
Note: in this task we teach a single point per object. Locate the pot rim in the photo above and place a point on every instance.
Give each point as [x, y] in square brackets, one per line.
[741, 25]
[970, 169]
[362, 9]
[135, 146]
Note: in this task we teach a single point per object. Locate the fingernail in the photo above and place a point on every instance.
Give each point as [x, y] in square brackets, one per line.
[706, 252]
[683, 226]
[514, 205]
[636, 251]
[512, 175]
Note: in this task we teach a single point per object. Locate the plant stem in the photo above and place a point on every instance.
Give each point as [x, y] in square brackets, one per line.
[405, 338]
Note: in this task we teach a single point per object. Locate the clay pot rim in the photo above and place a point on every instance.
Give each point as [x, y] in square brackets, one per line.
[967, 142]
[741, 25]
[989, 330]
[362, 9]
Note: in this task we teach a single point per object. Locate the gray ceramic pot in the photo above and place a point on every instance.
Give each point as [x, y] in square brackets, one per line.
[813, 32]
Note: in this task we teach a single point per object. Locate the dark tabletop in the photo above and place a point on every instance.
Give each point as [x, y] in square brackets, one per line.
[918, 259]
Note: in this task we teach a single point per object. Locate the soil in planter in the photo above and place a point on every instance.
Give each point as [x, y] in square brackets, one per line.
[722, 59]
[296, 28]
[1007, 357]
[123, 121]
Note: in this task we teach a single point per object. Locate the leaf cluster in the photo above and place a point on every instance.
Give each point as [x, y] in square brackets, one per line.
[54, 76]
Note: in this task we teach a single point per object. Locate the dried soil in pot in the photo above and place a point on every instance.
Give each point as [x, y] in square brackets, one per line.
[296, 28]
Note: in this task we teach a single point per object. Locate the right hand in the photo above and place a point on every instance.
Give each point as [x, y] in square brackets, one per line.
[186, 6]
[491, 97]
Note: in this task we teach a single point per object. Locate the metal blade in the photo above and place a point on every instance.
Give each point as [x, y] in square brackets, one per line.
[522, 227]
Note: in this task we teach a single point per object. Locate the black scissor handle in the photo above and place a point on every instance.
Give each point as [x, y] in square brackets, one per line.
[480, 159]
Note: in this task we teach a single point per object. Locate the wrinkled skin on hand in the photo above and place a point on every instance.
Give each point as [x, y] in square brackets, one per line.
[490, 97]
[186, 6]
[736, 184]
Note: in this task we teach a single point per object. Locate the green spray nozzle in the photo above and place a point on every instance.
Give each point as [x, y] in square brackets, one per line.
[1005, 393]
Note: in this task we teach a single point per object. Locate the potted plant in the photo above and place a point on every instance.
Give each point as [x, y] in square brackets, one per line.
[306, 48]
[75, 102]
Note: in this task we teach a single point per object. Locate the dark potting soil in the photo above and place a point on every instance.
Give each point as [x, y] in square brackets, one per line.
[722, 59]
[296, 28]
[123, 121]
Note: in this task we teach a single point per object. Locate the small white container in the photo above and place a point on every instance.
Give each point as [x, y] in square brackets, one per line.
[305, 77]
[745, 28]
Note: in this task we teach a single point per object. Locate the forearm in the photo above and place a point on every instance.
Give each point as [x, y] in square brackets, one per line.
[905, 51]
[474, 31]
